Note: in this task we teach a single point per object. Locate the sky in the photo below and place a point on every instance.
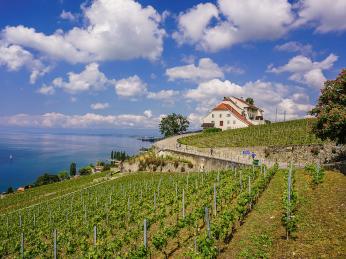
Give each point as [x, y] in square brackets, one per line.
[126, 64]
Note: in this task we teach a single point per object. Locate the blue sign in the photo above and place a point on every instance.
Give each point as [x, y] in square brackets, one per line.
[246, 152]
[253, 155]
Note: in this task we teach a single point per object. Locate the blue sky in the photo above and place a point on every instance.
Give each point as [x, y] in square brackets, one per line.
[125, 63]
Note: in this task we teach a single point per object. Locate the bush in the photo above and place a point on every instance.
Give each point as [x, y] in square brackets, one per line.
[182, 169]
[315, 151]
[46, 179]
[211, 130]
[85, 170]
[266, 153]
[190, 165]
[176, 164]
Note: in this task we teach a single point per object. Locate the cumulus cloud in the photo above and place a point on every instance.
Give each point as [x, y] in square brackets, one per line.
[306, 71]
[90, 79]
[66, 15]
[46, 90]
[114, 30]
[325, 15]
[294, 46]
[267, 95]
[14, 57]
[88, 120]
[99, 106]
[167, 96]
[243, 21]
[131, 87]
[205, 70]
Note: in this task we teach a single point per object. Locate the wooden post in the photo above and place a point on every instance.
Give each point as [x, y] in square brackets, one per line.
[240, 182]
[154, 200]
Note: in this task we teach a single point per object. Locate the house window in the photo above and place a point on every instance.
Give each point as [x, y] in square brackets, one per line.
[220, 115]
[221, 123]
[212, 115]
[234, 122]
[212, 121]
[227, 122]
[228, 115]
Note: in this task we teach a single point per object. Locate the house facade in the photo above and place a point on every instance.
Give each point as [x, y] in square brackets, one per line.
[233, 113]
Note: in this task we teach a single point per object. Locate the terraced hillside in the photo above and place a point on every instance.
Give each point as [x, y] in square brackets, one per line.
[295, 132]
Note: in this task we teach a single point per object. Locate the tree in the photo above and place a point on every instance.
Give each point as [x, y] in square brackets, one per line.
[173, 124]
[85, 170]
[249, 100]
[330, 110]
[10, 190]
[73, 169]
[46, 179]
[63, 175]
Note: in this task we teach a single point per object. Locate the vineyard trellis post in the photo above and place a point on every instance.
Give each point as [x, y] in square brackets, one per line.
[207, 222]
[215, 200]
[145, 240]
[183, 203]
[95, 235]
[289, 183]
[55, 244]
[22, 245]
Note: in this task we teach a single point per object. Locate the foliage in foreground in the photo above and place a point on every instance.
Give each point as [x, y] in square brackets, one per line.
[294, 132]
[316, 172]
[173, 204]
[331, 110]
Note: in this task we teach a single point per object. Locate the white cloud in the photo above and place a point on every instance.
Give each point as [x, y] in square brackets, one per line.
[247, 20]
[114, 30]
[325, 15]
[205, 70]
[90, 79]
[99, 106]
[193, 23]
[46, 90]
[132, 86]
[294, 46]
[167, 96]
[88, 120]
[306, 71]
[14, 57]
[148, 113]
[66, 15]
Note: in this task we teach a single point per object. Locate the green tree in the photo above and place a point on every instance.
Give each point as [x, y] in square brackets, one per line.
[331, 110]
[10, 190]
[173, 124]
[85, 170]
[63, 175]
[250, 100]
[46, 179]
[73, 169]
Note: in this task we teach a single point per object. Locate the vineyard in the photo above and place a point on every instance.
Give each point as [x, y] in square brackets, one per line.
[136, 215]
[296, 132]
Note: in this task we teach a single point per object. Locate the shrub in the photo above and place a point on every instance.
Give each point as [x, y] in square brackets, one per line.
[85, 170]
[182, 169]
[266, 152]
[176, 164]
[315, 151]
[211, 130]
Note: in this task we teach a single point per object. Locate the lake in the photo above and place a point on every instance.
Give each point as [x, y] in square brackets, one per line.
[35, 152]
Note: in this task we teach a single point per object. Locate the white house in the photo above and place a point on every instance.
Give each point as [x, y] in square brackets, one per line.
[233, 113]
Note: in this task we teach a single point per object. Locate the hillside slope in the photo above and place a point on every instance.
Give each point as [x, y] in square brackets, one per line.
[321, 222]
[295, 132]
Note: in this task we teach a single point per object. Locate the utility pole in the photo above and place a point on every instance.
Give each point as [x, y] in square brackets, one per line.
[284, 116]
[276, 114]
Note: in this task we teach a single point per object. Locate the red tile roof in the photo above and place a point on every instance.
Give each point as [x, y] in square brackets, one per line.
[226, 107]
[250, 105]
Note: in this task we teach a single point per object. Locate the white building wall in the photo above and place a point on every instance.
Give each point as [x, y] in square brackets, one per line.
[229, 120]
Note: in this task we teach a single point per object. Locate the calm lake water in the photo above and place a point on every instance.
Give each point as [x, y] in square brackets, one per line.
[34, 153]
